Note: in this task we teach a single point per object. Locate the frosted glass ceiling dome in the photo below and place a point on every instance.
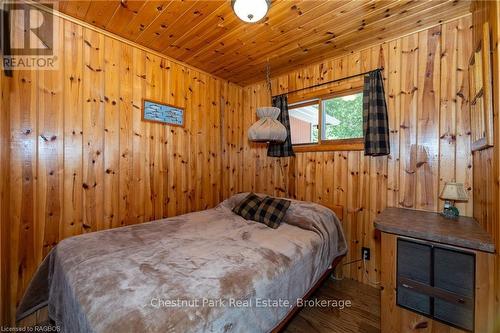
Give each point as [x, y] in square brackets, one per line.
[250, 11]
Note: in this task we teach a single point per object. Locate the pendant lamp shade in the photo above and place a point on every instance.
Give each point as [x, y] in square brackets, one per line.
[267, 128]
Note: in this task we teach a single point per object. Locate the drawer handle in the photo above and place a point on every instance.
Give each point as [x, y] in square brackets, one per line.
[420, 325]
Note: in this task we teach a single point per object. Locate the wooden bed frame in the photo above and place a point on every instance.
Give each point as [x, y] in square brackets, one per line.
[339, 211]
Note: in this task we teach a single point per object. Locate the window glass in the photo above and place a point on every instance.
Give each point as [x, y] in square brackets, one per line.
[343, 117]
[304, 123]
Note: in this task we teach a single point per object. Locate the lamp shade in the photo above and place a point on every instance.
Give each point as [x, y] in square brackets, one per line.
[250, 11]
[267, 128]
[454, 192]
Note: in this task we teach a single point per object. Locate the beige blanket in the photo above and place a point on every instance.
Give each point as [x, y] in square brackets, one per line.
[208, 271]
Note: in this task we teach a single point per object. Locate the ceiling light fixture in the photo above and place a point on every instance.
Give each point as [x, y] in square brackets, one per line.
[251, 11]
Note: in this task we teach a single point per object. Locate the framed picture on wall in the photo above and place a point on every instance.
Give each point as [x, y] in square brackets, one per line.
[480, 87]
[162, 113]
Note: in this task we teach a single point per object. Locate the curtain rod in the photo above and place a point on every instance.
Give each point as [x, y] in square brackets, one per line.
[332, 81]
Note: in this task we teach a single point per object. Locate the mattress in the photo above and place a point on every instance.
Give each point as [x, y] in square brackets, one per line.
[207, 271]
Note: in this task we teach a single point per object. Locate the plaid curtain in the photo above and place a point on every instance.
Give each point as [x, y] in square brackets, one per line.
[282, 149]
[375, 119]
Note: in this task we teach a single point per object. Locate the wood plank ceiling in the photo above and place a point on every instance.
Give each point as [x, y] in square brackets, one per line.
[208, 35]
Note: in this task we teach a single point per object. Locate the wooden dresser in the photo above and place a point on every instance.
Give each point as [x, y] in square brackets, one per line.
[435, 273]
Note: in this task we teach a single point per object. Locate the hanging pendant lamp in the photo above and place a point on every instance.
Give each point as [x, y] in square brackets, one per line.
[268, 128]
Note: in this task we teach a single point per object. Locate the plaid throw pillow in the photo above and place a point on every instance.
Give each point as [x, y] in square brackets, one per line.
[271, 211]
[248, 206]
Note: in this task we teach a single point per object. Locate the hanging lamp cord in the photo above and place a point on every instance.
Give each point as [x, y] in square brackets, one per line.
[268, 77]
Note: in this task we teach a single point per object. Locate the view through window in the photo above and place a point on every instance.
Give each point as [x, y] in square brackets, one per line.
[336, 118]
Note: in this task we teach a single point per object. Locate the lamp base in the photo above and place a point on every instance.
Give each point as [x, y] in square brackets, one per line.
[450, 211]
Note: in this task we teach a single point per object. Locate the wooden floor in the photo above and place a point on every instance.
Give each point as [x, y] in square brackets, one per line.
[362, 317]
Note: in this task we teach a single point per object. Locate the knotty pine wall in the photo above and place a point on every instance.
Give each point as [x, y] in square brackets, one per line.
[426, 86]
[80, 159]
[4, 163]
[487, 161]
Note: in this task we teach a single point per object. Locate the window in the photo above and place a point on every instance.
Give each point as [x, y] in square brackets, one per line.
[339, 119]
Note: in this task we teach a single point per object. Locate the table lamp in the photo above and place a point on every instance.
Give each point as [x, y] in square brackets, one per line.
[452, 192]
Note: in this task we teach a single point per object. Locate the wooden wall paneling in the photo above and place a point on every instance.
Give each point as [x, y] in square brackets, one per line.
[126, 136]
[5, 245]
[319, 176]
[111, 133]
[309, 173]
[50, 154]
[364, 217]
[178, 181]
[182, 163]
[486, 211]
[212, 103]
[157, 138]
[148, 148]
[233, 135]
[212, 106]
[139, 141]
[340, 164]
[226, 145]
[72, 221]
[241, 136]
[200, 155]
[408, 144]
[429, 52]
[299, 176]
[166, 95]
[246, 115]
[448, 106]
[389, 319]
[24, 231]
[328, 168]
[79, 158]
[464, 163]
[170, 159]
[393, 98]
[354, 210]
[93, 123]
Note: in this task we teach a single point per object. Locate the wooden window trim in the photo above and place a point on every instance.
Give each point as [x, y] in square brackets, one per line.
[353, 144]
[331, 145]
